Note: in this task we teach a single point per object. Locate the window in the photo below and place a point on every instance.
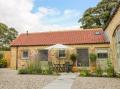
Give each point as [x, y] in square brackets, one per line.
[102, 54]
[62, 53]
[25, 54]
[43, 55]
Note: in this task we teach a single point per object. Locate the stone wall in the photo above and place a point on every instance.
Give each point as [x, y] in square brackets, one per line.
[115, 22]
[16, 53]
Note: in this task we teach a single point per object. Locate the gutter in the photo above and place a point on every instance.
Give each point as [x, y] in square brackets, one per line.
[106, 42]
[16, 57]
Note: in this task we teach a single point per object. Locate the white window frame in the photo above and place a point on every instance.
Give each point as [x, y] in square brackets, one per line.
[102, 51]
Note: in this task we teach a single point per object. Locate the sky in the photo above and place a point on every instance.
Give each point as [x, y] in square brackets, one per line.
[43, 15]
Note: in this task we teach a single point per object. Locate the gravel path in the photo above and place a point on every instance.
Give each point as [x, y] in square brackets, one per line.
[96, 83]
[9, 79]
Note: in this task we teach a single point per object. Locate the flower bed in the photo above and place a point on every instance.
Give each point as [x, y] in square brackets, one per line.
[36, 67]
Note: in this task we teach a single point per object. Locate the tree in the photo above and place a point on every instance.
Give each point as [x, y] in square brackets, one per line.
[98, 16]
[6, 36]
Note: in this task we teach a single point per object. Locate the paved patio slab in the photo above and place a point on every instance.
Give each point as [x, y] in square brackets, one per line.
[65, 81]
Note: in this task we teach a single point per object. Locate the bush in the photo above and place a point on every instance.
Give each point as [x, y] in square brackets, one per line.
[3, 63]
[1, 55]
[99, 72]
[23, 71]
[35, 68]
[110, 70]
[31, 68]
[84, 73]
[73, 58]
[93, 57]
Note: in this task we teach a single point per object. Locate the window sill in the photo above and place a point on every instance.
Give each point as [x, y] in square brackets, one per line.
[62, 57]
[25, 58]
[102, 58]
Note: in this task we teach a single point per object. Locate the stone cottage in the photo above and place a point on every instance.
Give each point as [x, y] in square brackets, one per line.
[104, 42]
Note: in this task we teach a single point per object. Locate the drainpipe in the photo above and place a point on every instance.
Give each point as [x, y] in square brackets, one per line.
[16, 57]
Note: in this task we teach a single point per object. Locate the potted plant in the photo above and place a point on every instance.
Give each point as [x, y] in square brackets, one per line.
[93, 58]
[73, 58]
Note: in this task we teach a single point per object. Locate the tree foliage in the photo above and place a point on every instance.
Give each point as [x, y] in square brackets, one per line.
[98, 16]
[6, 36]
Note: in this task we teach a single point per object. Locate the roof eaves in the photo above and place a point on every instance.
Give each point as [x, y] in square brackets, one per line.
[106, 42]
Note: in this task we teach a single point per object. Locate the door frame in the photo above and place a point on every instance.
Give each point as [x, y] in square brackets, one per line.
[88, 56]
[47, 54]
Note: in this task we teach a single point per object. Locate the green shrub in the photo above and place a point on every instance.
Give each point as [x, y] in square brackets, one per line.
[23, 71]
[73, 58]
[84, 73]
[47, 70]
[93, 57]
[33, 67]
[99, 72]
[50, 70]
[1, 55]
[110, 70]
[36, 68]
[3, 63]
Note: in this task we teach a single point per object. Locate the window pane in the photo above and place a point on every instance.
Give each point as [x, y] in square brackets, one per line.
[62, 53]
[102, 55]
[25, 54]
[43, 55]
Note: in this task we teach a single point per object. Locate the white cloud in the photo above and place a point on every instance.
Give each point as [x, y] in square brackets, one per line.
[17, 13]
[48, 11]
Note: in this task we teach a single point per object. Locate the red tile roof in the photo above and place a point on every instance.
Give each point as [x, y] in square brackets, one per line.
[87, 36]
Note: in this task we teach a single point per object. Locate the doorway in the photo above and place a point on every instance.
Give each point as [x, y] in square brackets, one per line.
[43, 55]
[82, 57]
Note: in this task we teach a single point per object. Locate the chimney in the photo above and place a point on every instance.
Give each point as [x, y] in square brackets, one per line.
[27, 32]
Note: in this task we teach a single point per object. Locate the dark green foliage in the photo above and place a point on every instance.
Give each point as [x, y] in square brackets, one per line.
[93, 57]
[84, 73]
[1, 55]
[73, 57]
[6, 36]
[98, 16]
[23, 71]
[3, 63]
